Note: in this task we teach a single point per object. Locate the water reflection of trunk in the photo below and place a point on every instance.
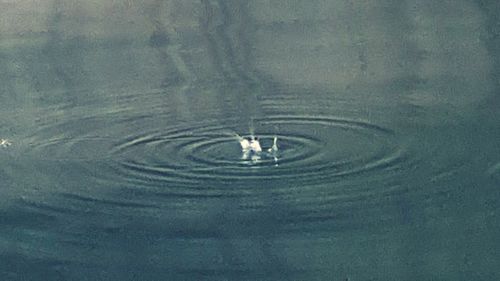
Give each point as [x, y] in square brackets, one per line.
[161, 41]
[226, 30]
[164, 41]
[208, 45]
[491, 38]
[65, 55]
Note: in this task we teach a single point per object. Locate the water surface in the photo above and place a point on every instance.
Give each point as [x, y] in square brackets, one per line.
[124, 164]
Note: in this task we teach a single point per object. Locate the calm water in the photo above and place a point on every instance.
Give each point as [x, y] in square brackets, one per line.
[124, 164]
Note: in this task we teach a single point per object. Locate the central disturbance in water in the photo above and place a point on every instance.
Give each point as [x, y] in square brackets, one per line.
[313, 150]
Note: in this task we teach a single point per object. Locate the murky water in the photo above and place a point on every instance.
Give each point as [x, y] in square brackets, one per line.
[124, 164]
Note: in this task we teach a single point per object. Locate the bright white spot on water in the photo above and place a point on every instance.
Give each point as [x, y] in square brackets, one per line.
[5, 143]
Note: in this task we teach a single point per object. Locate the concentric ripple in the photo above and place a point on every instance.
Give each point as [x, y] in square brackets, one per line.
[206, 156]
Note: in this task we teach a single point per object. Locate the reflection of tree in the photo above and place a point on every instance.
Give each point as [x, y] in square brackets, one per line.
[64, 54]
[491, 38]
[226, 29]
[160, 41]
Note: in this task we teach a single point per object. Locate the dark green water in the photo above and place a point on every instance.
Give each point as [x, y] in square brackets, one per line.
[123, 163]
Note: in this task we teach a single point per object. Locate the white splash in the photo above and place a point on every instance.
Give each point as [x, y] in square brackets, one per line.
[255, 145]
[252, 150]
[5, 143]
[274, 148]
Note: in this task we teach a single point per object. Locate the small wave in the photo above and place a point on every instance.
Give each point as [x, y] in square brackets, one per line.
[201, 158]
[206, 160]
